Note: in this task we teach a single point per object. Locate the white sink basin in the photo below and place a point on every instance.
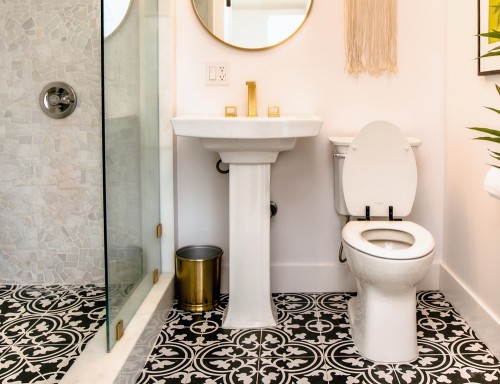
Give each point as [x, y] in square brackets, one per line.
[247, 127]
[249, 145]
[247, 139]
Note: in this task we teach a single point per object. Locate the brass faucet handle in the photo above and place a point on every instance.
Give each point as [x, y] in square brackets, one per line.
[273, 111]
[231, 111]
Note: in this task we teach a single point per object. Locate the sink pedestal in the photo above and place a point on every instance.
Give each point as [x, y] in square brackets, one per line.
[249, 146]
[250, 303]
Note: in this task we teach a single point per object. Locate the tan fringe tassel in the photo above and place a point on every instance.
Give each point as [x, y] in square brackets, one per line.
[371, 36]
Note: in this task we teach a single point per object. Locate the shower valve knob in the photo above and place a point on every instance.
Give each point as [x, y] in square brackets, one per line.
[57, 100]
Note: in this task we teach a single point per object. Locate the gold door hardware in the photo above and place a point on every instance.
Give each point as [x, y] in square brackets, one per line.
[156, 276]
[119, 330]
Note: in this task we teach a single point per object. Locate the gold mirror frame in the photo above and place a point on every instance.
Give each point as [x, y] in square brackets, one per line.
[251, 48]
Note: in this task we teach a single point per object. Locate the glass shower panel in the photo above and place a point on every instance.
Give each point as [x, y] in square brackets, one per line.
[131, 155]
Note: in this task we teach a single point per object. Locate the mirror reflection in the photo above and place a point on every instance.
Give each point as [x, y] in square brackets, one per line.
[252, 24]
[114, 12]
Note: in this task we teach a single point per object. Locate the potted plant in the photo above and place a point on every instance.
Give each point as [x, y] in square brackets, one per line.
[492, 179]
[493, 135]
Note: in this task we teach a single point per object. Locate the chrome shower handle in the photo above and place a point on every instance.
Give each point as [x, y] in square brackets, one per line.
[57, 100]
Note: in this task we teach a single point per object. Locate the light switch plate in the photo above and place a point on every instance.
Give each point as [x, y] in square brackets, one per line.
[217, 74]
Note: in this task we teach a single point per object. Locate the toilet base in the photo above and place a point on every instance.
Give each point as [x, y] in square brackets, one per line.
[383, 325]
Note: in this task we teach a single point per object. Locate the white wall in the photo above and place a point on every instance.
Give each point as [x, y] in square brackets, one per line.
[306, 74]
[471, 261]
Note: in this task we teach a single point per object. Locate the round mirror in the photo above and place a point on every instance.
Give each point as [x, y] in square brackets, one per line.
[252, 24]
[114, 12]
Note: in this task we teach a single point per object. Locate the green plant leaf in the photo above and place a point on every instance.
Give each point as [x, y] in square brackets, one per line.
[495, 157]
[493, 109]
[489, 131]
[494, 49]
[494, 134]
[495, 153]
[490, 54]
[487, 138]
[494, 34]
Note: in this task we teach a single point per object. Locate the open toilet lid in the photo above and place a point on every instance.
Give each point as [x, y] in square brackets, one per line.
[379, 171]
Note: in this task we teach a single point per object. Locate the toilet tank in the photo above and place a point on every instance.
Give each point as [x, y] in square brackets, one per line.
[340, 147]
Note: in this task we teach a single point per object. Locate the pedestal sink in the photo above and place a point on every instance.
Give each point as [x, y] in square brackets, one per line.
[249, 146]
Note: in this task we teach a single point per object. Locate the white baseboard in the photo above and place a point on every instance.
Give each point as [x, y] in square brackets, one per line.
[321, 278]
[472, 309]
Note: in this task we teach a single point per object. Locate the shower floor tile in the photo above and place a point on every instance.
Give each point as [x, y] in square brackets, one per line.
[312, 344]
[43, 329]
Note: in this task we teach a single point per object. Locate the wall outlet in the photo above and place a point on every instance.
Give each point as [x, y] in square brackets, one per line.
[217, 74]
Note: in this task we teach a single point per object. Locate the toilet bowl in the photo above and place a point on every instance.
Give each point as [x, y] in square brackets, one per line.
[388, 257]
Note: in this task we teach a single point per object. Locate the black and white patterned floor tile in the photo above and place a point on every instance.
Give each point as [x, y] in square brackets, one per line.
[43, 329]
[312, 344]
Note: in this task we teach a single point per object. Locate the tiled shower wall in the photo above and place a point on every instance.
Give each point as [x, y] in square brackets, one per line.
[51, 209]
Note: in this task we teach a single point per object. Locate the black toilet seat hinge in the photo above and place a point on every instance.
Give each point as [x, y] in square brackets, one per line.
[391, 214]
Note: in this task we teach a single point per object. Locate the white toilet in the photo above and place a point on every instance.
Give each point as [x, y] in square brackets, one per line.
[376, 181]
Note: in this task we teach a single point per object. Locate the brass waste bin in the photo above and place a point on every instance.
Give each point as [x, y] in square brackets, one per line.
[197, 277]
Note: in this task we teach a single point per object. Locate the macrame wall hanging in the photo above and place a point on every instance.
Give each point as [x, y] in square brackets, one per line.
[371, 36]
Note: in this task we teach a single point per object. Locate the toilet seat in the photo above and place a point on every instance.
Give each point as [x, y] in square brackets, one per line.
[360, 235]
[379, 172]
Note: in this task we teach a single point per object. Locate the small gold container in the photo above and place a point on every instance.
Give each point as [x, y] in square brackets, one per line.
[197, 277]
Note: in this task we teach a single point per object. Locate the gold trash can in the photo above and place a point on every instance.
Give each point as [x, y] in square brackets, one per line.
[197, 277]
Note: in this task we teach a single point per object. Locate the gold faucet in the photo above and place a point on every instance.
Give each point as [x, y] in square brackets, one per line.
[252, 99]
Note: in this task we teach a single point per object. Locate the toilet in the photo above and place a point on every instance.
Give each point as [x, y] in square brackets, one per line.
[375, 186]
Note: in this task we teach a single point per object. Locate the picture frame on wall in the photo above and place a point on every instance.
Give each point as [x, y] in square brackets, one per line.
[488, 13]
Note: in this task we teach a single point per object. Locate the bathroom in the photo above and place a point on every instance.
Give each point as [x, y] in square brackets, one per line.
[434, 96]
